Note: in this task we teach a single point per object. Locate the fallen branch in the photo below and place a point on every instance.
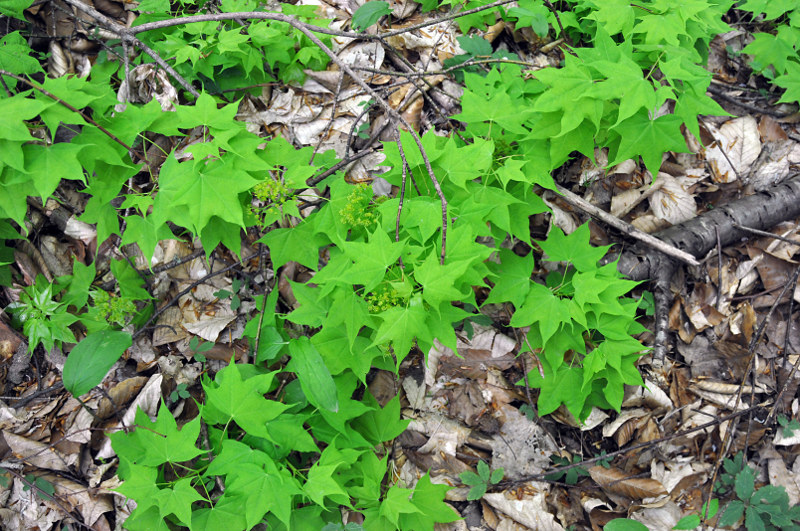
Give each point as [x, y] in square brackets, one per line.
[627, 228]
[698, 235]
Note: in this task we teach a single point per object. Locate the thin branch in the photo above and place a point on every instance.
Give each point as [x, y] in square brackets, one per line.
[627, 228]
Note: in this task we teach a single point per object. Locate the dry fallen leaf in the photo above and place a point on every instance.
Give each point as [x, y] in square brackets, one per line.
[616, 481]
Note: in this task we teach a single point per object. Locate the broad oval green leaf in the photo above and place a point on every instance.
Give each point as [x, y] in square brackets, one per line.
[368, 14]
[88, 363]
[314, 376]
[625, 524]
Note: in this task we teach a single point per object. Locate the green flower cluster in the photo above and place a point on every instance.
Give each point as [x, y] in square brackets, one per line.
[358, 212]
[271, 190]
[383, 298]
[115, 310]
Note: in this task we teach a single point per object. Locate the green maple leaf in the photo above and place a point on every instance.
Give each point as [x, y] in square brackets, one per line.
[613, 16]
[160, 441]
[532, 14]
[428, 497]
[227, 513]
[321, 484]
[15, 52]
[791, 82]
[351, 310]
[146, 520]
[396, 503]
[694, 102]
[334, 346]
[191, 194]
[513, 278]
[348, 408]
[497, 107]
[205, 112]
[566, 86]
[139, 485]
[233, 456]
[563, 387]
[297, 243]
[313, 305]
[574, 248]
[145, 233]
[16, 110]
[661, 28]
[400, 325]
[372, 259]
[265, 491]
[543, 308]
[47, 165]
[219, 231]
[178, 500]
[775, 50]
[772, 9]
[437, 280]
[465, 163]
[382, 424]
[230, 397]
[639, 135]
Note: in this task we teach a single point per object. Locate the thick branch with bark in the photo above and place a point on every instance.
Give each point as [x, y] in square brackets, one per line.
[697, 236]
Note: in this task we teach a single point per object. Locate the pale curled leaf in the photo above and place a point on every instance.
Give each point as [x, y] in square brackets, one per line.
[672, 202]
[736, 146]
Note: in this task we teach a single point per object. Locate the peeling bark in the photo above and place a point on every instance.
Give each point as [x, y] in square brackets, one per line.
[697, 236]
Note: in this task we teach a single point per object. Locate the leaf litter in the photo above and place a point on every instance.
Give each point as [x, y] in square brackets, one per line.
[464, 406]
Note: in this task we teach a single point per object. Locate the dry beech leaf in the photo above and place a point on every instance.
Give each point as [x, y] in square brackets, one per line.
[120, 394]
[771, 130]
[625, 433]
[616, 481]
[722, 388]
[736, 147]
[38, 454]
[209, 327]
[625, 201]
[649, 223]
[88, 502]
[772, 167]
[611, 428]
[651, 396]
[672, 202]
[530, 511]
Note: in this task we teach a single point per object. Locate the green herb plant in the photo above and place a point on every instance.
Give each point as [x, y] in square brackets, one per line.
[788, 425]
[570, 476]
[763, 508]
[44, 321]
[481, 481]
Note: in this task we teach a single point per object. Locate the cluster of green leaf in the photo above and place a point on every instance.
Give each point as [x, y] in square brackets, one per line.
[776, 55]
[291, 462]
[223, 57]
[764, 509]
[481, 481]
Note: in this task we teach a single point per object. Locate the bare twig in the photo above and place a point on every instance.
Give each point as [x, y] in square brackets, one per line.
[627, 228]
